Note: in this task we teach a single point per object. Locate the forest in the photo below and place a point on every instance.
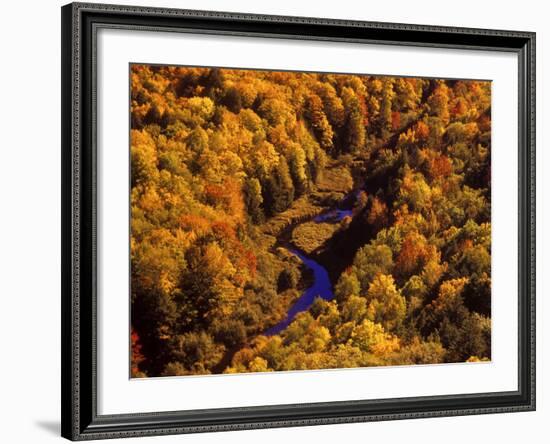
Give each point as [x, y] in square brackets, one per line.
[296, 221]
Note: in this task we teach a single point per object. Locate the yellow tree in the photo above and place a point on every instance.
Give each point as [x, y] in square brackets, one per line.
[386, 304]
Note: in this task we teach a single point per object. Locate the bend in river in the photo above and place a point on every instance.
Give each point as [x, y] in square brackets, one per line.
[333, 216]
[322, 287]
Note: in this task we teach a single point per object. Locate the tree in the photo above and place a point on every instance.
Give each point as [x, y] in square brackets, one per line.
[228, 331]
[197, 142]
[347, 285]
[406, 93]
[354, 309]
[258, 364]
[378, 213]
[275, 111]
[196, 351]
[386, 304]
[143, 155]
[318, 164]
[413, 255]
[288, 278]
[371, 337]
[461, 333]
[319, 122]
[201, 108]
[215, 80]
[175, 369]
[440, 166]
[386, 105]
[414, 191]
[438, 102]
[218, 158]
[332, 104]
[298, 173]
[355, 128]
[205, 284]
[278, 192]
[137, 357]
[254, 199]
[232, 100]
[370, 261]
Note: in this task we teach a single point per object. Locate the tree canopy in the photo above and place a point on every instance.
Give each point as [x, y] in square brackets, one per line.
[230, 166]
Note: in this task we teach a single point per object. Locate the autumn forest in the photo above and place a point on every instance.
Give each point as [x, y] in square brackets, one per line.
[298, 221]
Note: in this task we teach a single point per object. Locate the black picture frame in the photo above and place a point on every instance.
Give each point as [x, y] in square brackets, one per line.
[80, 420]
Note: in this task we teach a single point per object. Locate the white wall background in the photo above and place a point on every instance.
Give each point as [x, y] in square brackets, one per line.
[30, 221]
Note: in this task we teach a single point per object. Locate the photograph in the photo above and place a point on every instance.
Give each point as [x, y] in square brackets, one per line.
[278, 221]
[274, 222]
[291, 220]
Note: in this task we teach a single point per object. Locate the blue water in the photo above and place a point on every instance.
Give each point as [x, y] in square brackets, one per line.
[321, 287]
[333, 216]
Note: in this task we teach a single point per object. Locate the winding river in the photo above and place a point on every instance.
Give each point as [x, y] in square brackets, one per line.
[321, 287]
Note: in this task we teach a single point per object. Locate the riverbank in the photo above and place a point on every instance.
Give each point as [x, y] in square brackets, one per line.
[302, 240]
[322, 287]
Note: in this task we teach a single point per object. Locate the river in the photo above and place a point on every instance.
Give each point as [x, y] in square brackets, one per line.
[321, 287]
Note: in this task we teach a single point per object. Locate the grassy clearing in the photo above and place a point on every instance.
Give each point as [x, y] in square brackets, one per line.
[310, 236]
[300, 210]
[336, 179]
[331, 188]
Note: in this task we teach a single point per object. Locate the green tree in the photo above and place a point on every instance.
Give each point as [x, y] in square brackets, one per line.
[196, 351]
[298, 164]
[388, 95]
[279, 189]
[347, 285]
[371, 260]
[143, 156]
[254, 199]
[354, 127]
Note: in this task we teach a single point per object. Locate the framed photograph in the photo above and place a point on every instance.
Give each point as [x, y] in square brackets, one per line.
[282, 221]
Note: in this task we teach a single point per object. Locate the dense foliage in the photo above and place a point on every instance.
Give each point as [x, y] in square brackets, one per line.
[230, 167]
